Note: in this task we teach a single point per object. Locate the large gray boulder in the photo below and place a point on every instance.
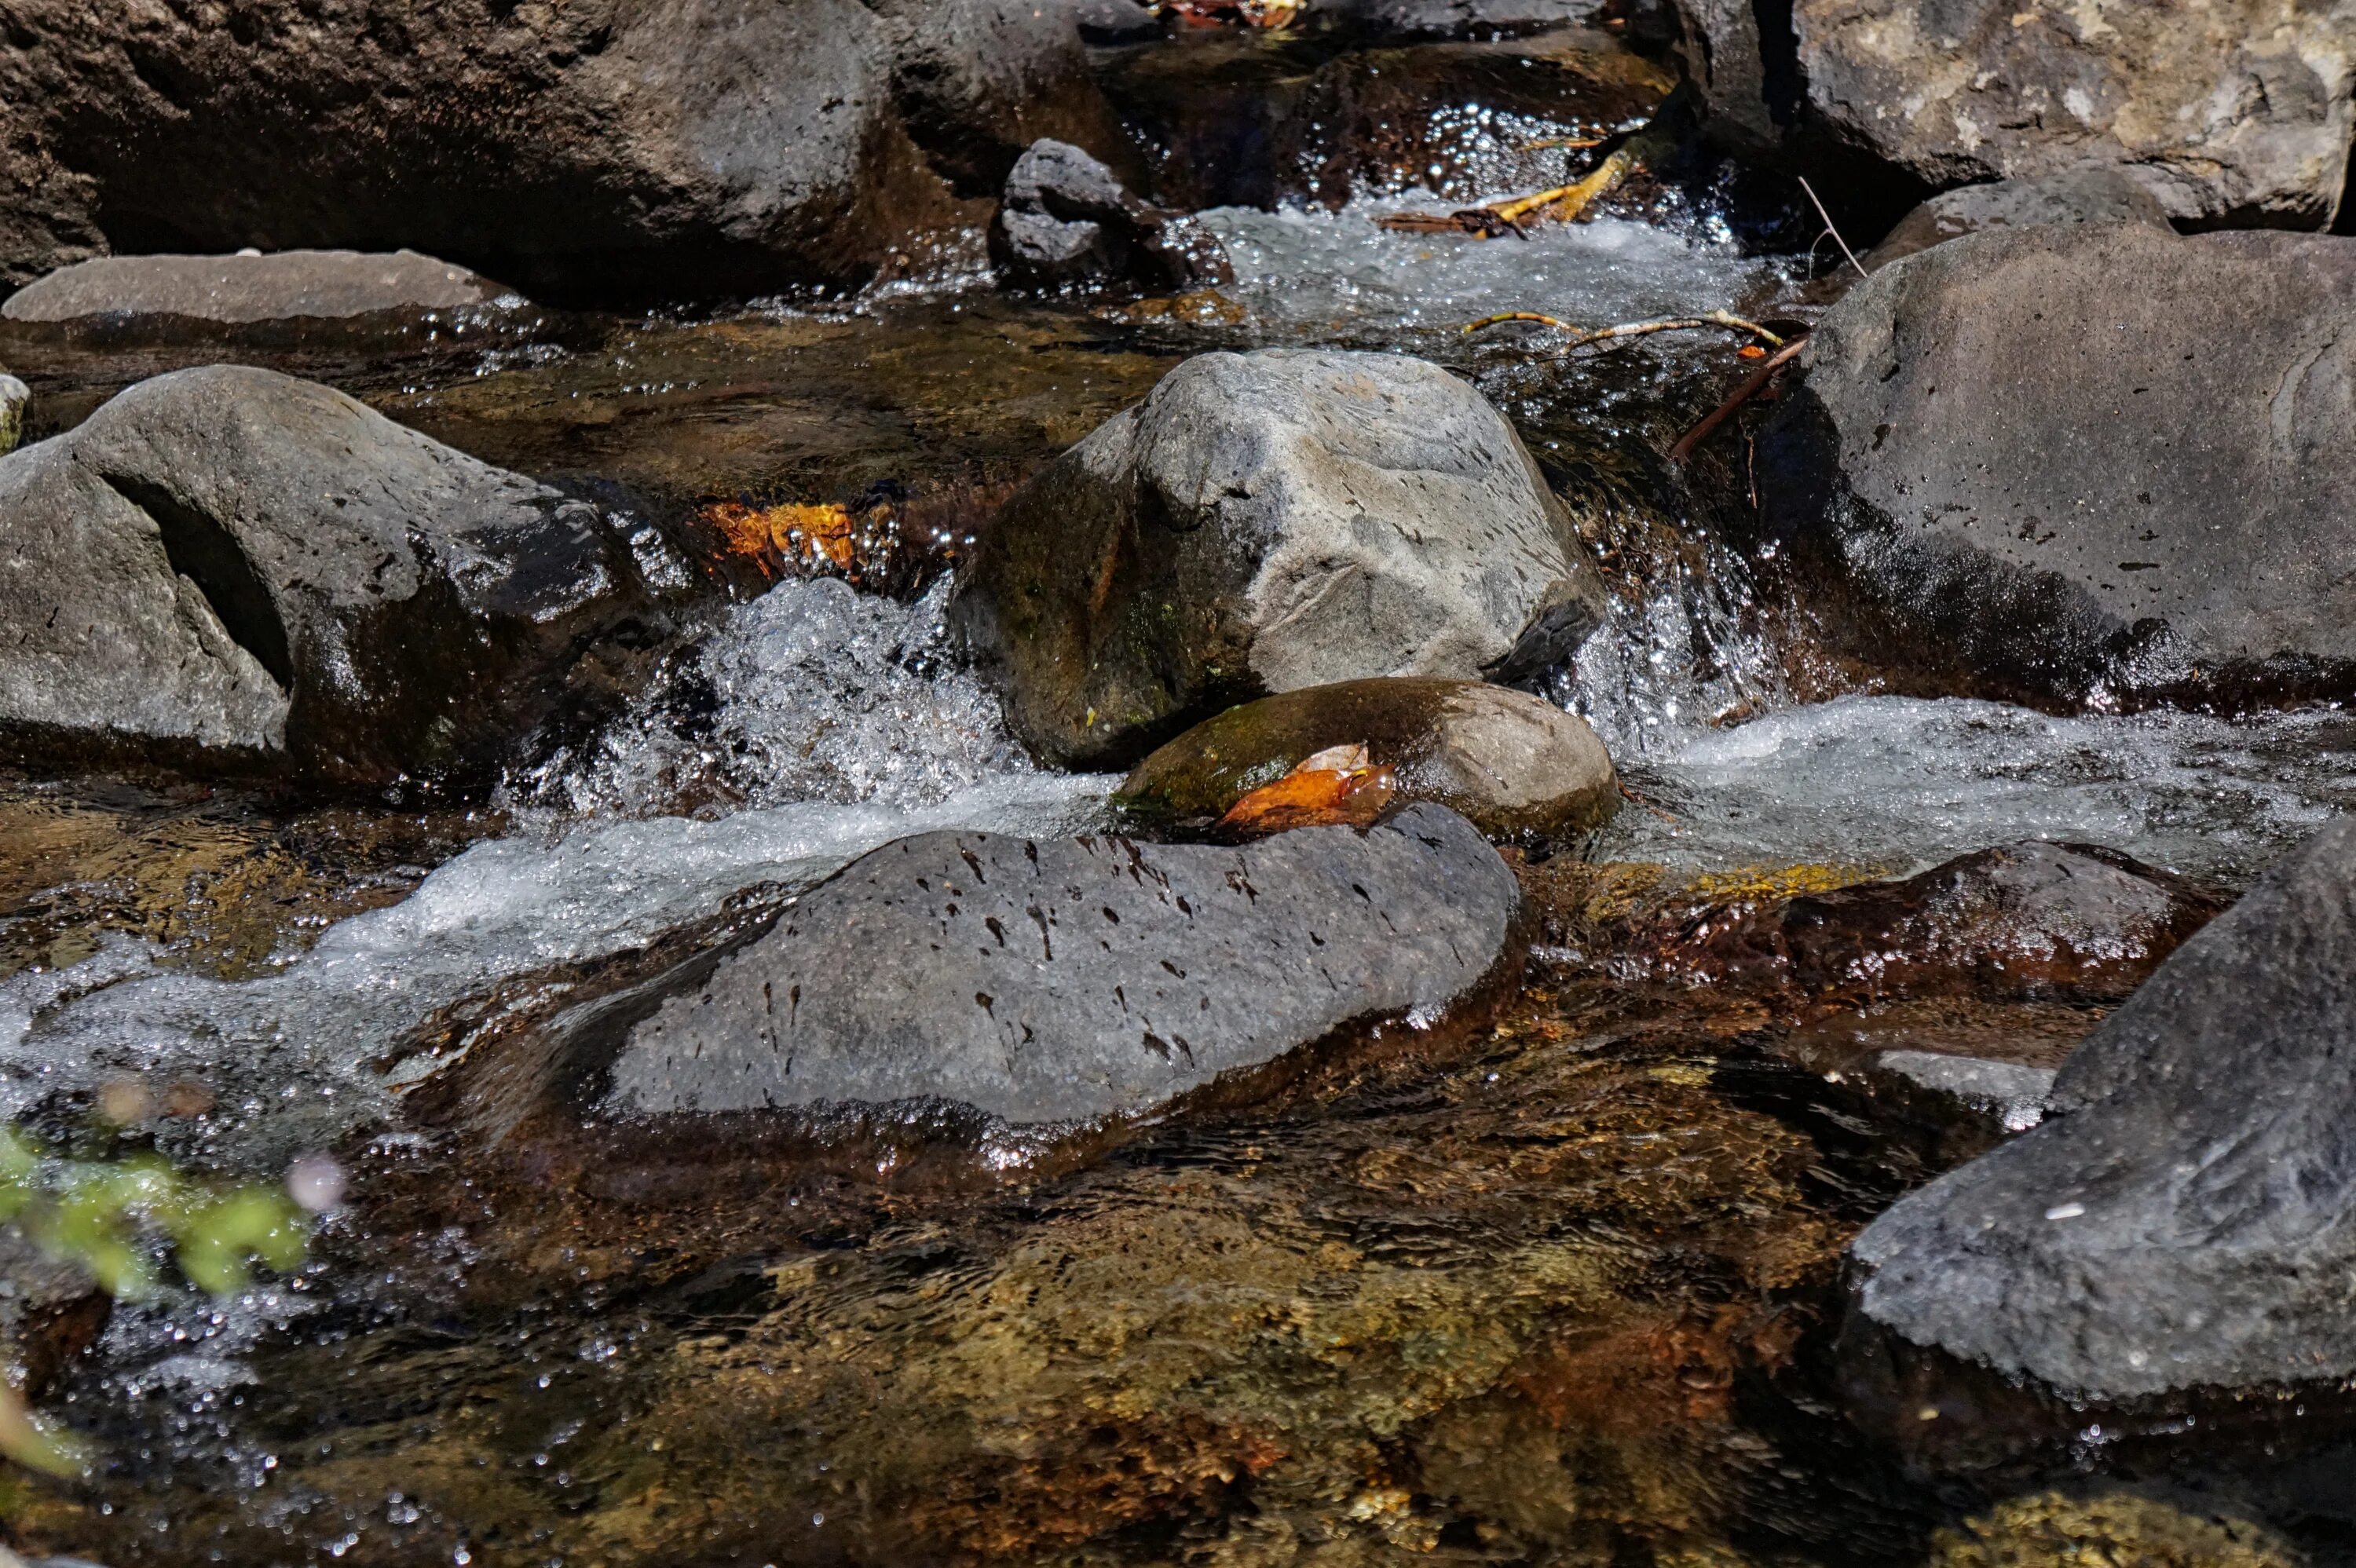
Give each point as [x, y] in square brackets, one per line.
[228, 566]
[292, 287]
[1074, 980]
[1264, 522]
[2097, 195]
[2088, 463]
[2189, 1219]
[652, 147]
[2239, 110]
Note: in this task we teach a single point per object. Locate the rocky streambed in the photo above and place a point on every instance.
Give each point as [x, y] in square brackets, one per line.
[1080, 784]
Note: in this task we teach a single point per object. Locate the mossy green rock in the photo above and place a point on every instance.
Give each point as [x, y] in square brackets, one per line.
[1515, 765]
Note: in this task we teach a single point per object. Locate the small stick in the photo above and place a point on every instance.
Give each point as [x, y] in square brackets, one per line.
[1830, 227]
[1631, 328]
[1740, 396]
[1541, 145]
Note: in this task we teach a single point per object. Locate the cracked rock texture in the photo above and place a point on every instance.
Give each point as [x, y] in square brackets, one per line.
[2229, 111]
[1264, 522]
[229, 566]
[2087, 462]
[1066, 980]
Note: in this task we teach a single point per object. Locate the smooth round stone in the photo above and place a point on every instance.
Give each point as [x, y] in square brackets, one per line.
[1512, 764]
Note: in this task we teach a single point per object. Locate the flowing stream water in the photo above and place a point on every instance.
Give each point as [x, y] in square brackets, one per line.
[1514, 1309]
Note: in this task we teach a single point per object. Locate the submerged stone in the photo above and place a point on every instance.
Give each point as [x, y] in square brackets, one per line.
[231, 567]
[1512, 764]
[2184, 1221]
[1264, 522]
[2029, 922]
[2022, 477]
[1073, 980]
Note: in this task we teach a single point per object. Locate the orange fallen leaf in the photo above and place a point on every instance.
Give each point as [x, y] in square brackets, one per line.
[807, 535]
[1337, 786]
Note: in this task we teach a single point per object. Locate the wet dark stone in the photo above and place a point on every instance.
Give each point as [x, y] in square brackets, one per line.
[2097, 195]
[230, 568]
[162, 296]
[2083, 464]
[1075, 980]
[2182, 1223]
[1066, 219]
[670, 149]
[1264, 522]
[2031, 921]
[1512, 764]
[1240, 119]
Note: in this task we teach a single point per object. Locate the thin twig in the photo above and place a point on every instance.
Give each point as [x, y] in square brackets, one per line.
[1631, 328]
[1831, 228]
[1740, 396]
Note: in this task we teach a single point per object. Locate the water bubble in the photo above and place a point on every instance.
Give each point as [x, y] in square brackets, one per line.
[316, 1182]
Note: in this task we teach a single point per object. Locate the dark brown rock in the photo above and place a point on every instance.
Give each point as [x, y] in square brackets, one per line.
[2032, 922]
[606, 147]
[1066, 219]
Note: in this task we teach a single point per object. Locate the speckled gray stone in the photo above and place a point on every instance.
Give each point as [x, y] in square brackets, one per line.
[1066, 980]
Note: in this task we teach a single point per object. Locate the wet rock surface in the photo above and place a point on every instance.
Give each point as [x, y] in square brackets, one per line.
[1264, 522]
[1229, 120]
[1077, 980]
[160, 293]
[2027, 477]
[229, 567]
[2239, 113]
[636, 150]
[1066, 219]
[2034, 922]
[1512, 764]
[2078, 196]
[2181, 1224]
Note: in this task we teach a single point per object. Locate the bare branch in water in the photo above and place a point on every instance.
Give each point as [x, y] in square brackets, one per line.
[1632, 328]
[1830, 227]
[1748, 390]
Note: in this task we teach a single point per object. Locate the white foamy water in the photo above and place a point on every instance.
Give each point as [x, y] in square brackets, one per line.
[833, 754]
[1312, 273]
[813, 691]
[1904, 782]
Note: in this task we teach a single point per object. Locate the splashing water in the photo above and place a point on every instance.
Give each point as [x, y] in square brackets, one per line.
[817, 722]
[1904, 782]
[813, 691]
[1306, 272]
